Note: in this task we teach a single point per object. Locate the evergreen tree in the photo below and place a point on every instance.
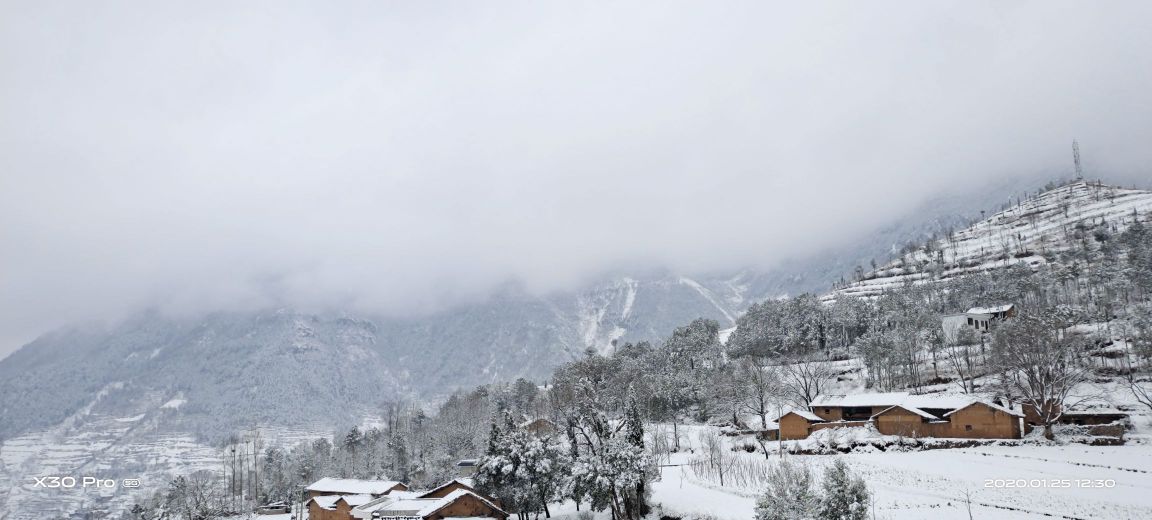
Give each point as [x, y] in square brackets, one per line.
[845, 497]
[789, 494]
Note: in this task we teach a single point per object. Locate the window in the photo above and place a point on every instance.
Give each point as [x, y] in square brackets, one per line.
[856, 413]
[969, 320]
[967, 427]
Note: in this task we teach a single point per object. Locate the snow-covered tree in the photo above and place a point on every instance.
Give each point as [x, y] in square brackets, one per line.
[789, 494]
[845, 495]
[524, 471]
[1038, 363]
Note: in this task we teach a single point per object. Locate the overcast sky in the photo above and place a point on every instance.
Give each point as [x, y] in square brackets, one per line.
[403, 156]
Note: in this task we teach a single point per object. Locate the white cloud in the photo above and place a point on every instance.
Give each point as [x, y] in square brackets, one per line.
[403, 156]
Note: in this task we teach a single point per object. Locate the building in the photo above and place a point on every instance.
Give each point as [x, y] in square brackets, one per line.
[334, 498]
[899, 413]
[448, 487]
[467, 467]
[797, 424]
[460, 503]
[976, 319]
[350, 486]
[335, 507]
[1097, 421]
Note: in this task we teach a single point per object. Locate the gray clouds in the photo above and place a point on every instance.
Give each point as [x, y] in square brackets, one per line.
[400, 157]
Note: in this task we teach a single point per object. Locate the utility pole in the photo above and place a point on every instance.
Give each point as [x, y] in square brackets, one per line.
[1076, 159]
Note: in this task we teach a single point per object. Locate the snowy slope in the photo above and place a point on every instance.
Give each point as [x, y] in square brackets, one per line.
[1030, 232]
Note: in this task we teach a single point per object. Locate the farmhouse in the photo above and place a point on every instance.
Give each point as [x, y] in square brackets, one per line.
[460, 503]
[446, 488]
[335, 507]
[898, 413]
[976, 318]
[335, 498]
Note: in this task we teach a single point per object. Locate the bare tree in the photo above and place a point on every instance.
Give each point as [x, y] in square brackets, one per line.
[804, 380]
[1039, 366]
[764, 387]
[1141, 389]
[961, 359]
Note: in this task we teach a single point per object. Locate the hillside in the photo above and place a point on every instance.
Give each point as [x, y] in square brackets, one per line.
[149, 394]
[1035, 231]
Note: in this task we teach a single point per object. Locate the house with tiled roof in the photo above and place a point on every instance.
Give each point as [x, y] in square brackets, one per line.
[460, 503]
[900, 413]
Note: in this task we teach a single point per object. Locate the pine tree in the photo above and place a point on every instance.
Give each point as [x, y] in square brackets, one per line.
[845, 497]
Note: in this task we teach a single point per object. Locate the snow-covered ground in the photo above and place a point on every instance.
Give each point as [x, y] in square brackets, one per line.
[932, 484]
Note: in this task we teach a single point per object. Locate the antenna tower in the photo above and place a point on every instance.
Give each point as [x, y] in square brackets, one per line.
[1076, 159]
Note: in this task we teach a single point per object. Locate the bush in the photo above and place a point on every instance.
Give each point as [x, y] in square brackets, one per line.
[789, 494]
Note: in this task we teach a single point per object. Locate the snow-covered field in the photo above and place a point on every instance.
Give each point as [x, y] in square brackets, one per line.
[932, 484]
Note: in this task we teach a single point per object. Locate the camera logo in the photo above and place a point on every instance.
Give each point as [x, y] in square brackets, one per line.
[69, 482]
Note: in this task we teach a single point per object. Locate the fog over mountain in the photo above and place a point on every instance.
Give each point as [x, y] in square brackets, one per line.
[403, 159]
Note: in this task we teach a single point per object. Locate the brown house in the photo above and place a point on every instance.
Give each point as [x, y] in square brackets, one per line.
[899, 413]
[452, 485]
[335, 498]
[335, 507]
[460, 503]
[797, 424]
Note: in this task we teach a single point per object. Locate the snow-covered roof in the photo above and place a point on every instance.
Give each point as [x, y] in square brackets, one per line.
[930, 401]
[807, 415]
[886, 399]
[912, 409]
[351, 486]
[990, 310]
[356, 500]
[415, 507]
[326, 502]
[990, 405]
[462, 481]
[938, 401]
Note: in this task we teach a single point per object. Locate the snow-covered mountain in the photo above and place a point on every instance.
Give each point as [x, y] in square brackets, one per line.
[295, 368]
[1033, 231]
[151, 395]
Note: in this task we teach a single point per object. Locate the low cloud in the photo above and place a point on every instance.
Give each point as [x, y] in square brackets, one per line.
[402, 157]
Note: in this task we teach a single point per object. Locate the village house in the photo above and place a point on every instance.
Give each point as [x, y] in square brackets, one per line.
[452, 485]
[334, 498]
[1103, 422]
[335, 507]
[976, 318]
[466, 484]
[466, 467]
[899, 413]
[460, 503]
